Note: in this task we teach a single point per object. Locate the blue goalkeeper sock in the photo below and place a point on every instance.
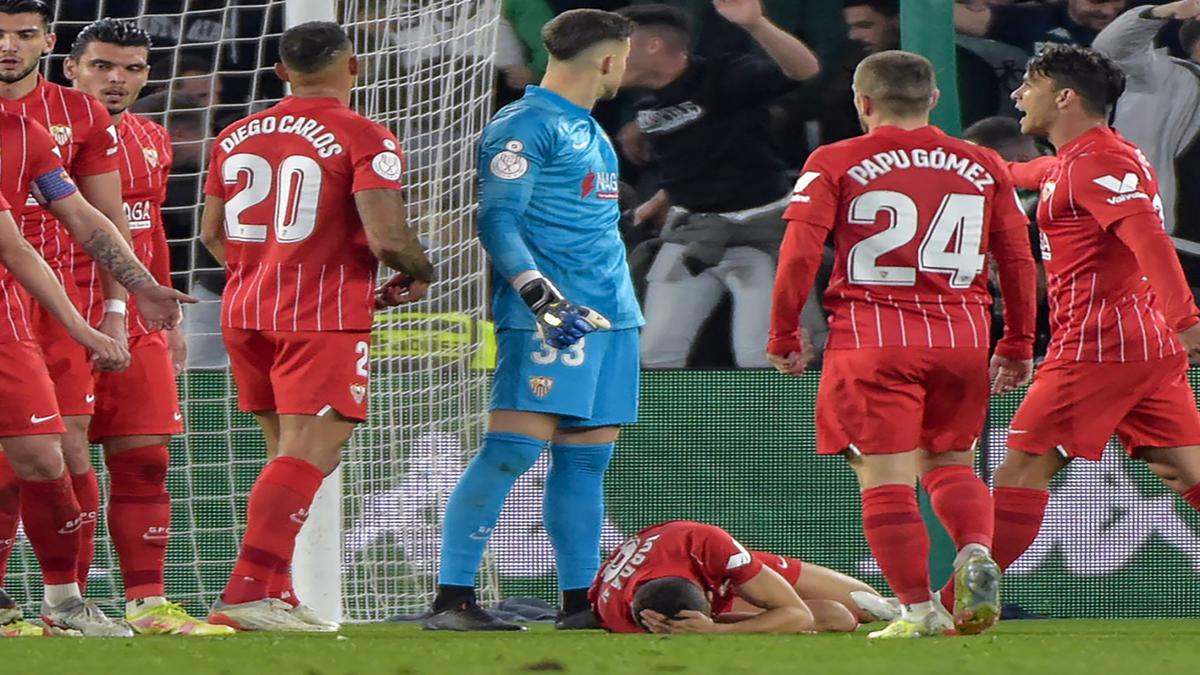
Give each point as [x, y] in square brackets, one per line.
[573, 510]
[475, 504]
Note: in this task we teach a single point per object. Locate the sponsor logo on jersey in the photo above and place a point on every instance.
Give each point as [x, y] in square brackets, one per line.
[387, 165]
[802, 184]
[151, 157]
[1124, 188]
[358, 392]
[509, 164]
[606, 185]
[138, 214]
[61, 133]
[541, 385]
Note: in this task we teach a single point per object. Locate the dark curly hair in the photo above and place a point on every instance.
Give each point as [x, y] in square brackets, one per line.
[27, 7]
[110, 31]
[1091, 75]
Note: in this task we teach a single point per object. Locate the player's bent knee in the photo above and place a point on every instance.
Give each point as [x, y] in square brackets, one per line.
[831, 616]
[35, 457]
[1027, 470]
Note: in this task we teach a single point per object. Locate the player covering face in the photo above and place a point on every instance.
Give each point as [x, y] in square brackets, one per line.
[1123, 318]
[904, 387]
[298, 306]
[567, 319]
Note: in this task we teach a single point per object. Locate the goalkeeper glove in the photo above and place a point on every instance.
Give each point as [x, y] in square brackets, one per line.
[560, 324]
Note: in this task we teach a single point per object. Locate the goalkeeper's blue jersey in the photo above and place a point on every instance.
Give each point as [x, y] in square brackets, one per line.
[548, 162]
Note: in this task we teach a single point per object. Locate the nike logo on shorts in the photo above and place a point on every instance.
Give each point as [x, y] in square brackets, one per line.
[90, 398]
[34, 419]
[178, 417]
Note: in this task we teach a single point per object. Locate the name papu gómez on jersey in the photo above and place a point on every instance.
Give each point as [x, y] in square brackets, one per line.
[882, 163]
[324, 141]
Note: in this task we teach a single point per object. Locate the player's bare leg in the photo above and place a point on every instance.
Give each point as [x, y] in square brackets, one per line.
[139, 521]
[514, 441]
[821, 583]
[1179, 468]
[573, 513]
[309, 448]
[77, 455]
[964, 505]
[52, 518]
[898, 538]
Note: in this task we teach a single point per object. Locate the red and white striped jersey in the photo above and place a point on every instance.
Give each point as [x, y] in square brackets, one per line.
[144, 159]
[83, 131]
[26, 153]
[296, 252]
[913, 213]
[1102, 309]
[14, 302]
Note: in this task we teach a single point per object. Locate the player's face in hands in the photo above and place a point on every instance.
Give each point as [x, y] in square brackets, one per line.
[1035, 98]
[111, 73]
[23, 42]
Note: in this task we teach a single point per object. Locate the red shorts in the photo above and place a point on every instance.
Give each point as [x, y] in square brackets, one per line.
[1077, 406]
[142, 399]
[300, 373]
[889, 400]
[69, 363]
[788, 568]
[27, 404]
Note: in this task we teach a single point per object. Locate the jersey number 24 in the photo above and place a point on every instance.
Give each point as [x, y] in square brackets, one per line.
[959, 221]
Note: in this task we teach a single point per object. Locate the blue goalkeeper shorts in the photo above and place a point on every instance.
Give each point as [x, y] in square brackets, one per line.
[594, 383]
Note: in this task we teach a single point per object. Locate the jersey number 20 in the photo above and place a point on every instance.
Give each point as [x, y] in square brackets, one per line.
[959, 220]
[295, 213]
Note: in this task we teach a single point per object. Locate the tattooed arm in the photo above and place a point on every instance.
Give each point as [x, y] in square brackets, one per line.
[388, 233]
[103, 191]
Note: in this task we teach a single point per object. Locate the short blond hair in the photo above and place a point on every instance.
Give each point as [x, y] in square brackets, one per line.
[901, 83]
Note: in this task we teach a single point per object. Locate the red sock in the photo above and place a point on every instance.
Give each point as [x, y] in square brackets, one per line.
[1019, 513]
[87, 493]
[898, 539]
[280, 587]
[1192, 496]
[139, 517]
[962, 502]
[10, 513]
[277, 509]
[52, 523]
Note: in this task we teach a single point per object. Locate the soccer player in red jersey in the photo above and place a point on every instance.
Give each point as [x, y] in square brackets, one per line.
[688, 577]
[86, 142]
[904, 389]
[303, 200]
[137, 409]
[30, 425]
[1123, 320]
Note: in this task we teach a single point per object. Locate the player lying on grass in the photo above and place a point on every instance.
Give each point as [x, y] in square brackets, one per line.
[688, 577]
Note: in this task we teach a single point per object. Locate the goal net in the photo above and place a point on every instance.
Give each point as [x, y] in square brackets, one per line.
[426, 74]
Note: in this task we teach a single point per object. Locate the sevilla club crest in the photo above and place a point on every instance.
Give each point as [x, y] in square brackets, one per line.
[359, 392]
[61, 133]
[540, 385]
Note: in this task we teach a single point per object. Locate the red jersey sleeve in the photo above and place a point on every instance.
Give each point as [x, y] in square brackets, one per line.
[40, 151]
[723, 557]
[1028, 175]
[98, 154]
[1110, 186]
[375, 154]
[815, 196]
[166, 161]
[214, 183]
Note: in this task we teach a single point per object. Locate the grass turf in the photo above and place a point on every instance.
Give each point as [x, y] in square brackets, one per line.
[1035, 647]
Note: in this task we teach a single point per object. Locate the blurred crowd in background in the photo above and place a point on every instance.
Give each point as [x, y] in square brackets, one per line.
[711, 131]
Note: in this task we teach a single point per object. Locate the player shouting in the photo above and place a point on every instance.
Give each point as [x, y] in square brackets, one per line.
[303, 201]
[548, 220]
[688, 577]
[1122, 316]
[904, 388]
[137, 409]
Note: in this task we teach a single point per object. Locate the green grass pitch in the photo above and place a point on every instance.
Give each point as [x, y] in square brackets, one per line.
[1015, 648]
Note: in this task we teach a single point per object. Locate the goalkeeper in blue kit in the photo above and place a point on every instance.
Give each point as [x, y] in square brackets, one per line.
[566, 315]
